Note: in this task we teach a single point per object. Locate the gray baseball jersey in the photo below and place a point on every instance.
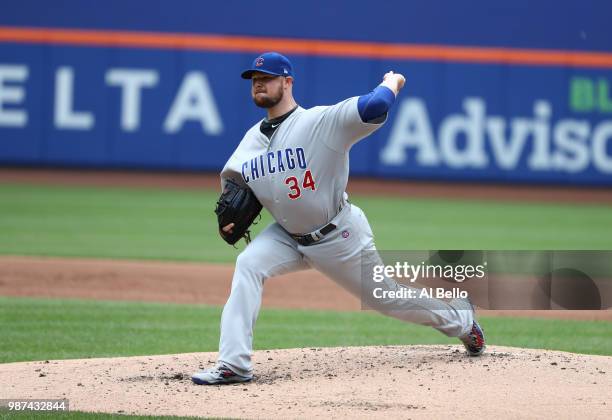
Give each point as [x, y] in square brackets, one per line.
[300, 173]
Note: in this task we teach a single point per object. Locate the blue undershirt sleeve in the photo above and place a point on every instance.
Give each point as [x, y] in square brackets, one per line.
[374, 106]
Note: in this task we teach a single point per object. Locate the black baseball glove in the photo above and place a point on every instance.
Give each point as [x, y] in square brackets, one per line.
[237, 205]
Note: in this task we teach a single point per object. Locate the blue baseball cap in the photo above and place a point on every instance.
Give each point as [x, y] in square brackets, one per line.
[270, 63]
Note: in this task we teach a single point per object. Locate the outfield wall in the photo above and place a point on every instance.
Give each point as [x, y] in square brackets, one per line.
[514, 92]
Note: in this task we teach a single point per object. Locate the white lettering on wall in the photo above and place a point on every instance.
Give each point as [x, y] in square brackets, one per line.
[563, 146]
[507, 152]
[194, 102]
[65, 116]
[411, 129]
[572, 151]
[131, 82]
[540, 158]
[601, 137]
[12, 95]
[471, 126]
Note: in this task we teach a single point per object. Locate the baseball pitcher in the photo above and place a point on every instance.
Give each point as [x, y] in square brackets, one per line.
[295, 163]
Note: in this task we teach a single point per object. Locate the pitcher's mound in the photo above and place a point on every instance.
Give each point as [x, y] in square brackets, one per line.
[384, 382]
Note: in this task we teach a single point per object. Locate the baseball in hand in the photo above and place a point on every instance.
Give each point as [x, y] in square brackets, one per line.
[396, 79]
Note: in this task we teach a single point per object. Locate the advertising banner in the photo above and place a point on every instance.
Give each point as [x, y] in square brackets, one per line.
[145, 86]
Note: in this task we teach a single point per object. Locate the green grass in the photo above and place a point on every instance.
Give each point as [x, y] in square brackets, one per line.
[114, 223]
[180, 225]
[40, 329]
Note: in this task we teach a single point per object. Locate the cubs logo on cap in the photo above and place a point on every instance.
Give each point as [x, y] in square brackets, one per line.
[270, 63]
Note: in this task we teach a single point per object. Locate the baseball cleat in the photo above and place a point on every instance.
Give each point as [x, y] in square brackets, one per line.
[218, 376]
[474, 341]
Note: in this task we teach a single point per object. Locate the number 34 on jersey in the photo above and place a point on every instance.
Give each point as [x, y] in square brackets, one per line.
[297, 186]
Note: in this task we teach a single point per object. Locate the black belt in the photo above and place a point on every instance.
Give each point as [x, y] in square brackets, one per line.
[316, 236]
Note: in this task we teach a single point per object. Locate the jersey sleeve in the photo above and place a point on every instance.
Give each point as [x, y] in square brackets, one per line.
[341, 125]
[231, 170]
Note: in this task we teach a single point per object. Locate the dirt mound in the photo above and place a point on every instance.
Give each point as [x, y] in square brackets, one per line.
[353, 382]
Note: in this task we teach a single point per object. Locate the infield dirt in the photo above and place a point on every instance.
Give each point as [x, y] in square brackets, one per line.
[176, 282]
